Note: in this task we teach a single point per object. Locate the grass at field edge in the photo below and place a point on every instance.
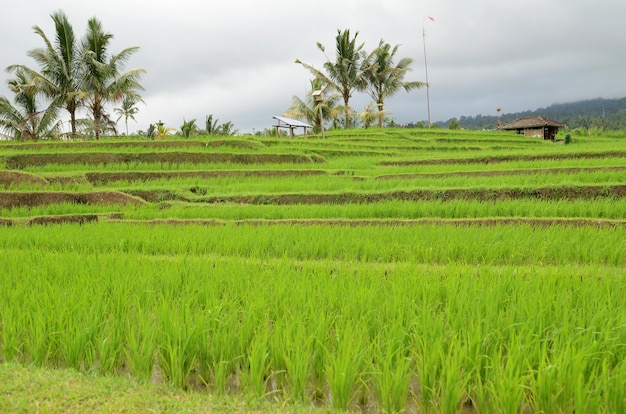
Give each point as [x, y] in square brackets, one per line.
[30, 390]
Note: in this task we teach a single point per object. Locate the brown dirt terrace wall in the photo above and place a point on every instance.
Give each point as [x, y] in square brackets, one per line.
[32, 199]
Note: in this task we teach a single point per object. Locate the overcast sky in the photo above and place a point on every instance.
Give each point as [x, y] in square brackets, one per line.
[235, 59]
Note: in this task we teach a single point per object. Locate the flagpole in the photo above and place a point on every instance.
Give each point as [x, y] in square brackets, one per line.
[426, 66]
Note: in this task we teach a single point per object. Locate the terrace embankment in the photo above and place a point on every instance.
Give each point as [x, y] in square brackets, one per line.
[495, 173]
[21, 161]
[11, 199]
[507, 158]
[482, 194]
[47, 146]
[487, 222]
[16, 178]
[99, 178]
[60, 219]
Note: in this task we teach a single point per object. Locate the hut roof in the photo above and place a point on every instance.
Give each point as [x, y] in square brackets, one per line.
[289, 122]
[531, 122]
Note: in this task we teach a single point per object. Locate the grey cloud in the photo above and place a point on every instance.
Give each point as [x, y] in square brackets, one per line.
[236, 59]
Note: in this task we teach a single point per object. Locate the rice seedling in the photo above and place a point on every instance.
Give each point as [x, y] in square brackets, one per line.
[141, 346]
[221, 356]
[255, 373]
[392, 370]
[344, 366]
[177, 356]
[296, 351]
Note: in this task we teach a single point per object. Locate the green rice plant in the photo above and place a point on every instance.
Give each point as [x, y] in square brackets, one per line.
[11, 332]
[584, 387]
[452, 387]
[110, 347]
[546, 389]
[79, 323]
[223, 356]
[427, 345]
[392, 371]
[141, 340]
[297, 351]
[506, 383]
[344, 365]
[38, 344]
[614, 397]
[76, 348]
[320, 326]
[177, 357]
[256, 370]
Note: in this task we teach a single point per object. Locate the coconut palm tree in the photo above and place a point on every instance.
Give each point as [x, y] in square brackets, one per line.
[309, 110]
[345, 74]
[227, 129]
[370, 114]
[128, 110]
[24, 120]
[103, 81]
[107, 126]
[61, 71]
[384, 78]
[188, 128]
[162, 131]
[211, 125]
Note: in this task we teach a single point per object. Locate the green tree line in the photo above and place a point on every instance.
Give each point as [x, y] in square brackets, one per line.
[599, 113]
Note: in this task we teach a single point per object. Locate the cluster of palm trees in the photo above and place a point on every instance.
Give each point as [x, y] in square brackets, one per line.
[73, 75]
[213, 127]
[353, 70]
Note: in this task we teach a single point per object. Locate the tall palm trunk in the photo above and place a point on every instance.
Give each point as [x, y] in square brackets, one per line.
[97, 114]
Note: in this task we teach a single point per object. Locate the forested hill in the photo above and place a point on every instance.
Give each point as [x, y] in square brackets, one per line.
[598, 113]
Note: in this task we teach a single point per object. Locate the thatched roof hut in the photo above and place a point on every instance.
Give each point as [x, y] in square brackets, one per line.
[534, 126]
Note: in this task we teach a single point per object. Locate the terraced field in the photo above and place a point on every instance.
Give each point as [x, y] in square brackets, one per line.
[383, 270]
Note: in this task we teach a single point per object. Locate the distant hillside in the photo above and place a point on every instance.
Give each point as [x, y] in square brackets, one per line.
[598, 113]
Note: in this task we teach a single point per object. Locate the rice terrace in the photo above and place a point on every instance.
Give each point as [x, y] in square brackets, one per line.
[375, 270]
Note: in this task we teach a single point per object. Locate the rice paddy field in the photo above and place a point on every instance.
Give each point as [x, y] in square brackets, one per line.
[393, 270]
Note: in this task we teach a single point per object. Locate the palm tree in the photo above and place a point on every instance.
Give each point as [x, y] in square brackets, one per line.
[228, 129]
[162, 131]
[188, 128]
[211, 125]
[128, 110]
[107, 126]
[102, 78]
[384, 79]
[309, 110]
[372, 113]
[345, 75]
[61, 74]
[25, 120]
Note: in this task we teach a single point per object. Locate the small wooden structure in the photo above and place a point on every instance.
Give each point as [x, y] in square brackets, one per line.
[291, 124]
[534, 126]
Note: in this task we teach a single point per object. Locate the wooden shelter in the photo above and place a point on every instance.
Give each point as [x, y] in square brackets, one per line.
[291, 124]
[534, 126]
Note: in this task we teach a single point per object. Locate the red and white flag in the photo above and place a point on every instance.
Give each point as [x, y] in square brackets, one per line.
[432, 19]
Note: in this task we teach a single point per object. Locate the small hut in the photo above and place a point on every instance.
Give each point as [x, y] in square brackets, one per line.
[290, 124]
[534, 126]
